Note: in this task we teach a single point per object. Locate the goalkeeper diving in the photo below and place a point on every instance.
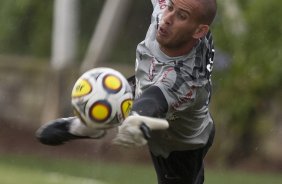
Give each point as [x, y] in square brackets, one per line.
[172, 85]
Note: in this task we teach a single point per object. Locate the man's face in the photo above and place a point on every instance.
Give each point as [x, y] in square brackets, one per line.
[178, 24]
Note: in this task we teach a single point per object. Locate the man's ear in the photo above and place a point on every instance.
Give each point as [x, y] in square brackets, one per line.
[201, 31]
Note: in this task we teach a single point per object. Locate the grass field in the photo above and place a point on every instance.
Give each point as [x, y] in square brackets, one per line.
[33, 170]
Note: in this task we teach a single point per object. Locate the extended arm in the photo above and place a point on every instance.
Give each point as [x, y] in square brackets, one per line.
[147, 113]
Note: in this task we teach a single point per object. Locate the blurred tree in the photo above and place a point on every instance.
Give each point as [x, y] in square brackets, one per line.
[245, 91]
[111, 20]
[25, 27]
[137, 23]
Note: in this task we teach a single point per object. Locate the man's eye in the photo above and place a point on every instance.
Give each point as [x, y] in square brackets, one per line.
[169, 7]
[181, 16]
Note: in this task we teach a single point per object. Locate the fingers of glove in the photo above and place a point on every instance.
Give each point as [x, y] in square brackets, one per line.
[130, 136]
[136, 129]
[122, 140]
[53, 136]
[61, 124]
[128, 141]
[57, 132]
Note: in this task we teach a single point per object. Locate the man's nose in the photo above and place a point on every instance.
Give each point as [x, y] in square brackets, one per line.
[168, 18]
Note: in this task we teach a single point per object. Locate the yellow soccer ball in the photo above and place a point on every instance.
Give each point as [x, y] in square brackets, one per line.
[102, 98]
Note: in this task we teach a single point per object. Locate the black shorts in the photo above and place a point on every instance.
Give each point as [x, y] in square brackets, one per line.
[182, 167]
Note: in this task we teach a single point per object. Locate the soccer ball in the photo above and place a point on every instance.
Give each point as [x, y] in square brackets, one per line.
[102, 98]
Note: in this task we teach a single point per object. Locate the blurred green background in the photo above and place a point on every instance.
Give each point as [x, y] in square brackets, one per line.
[246, 102]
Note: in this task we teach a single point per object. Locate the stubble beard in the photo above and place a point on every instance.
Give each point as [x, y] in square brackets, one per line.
[171, 45]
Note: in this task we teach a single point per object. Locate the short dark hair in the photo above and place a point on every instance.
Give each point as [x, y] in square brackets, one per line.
[208, 11]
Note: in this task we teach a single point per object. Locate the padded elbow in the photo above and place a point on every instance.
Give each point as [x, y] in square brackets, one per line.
[151, 103]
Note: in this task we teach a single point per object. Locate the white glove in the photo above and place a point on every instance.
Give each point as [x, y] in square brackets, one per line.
[59, 131]
[135, 130]
[79, 129]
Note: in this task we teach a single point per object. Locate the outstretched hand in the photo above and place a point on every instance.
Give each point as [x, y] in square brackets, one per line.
[136, 129]
[61, 130]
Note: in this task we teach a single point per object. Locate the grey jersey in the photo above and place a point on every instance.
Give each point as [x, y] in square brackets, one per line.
[185, 83]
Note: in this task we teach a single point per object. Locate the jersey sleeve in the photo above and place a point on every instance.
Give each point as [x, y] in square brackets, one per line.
[154, 2]
[178, 89]
[152, 103]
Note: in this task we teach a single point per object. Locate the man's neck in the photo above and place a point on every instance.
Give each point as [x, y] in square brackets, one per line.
[174, 52]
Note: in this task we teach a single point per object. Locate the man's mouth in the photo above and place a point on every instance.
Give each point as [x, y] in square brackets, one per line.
[163, 31]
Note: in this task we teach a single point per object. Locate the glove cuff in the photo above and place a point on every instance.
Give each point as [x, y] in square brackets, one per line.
[152, 123]
[79, 129]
